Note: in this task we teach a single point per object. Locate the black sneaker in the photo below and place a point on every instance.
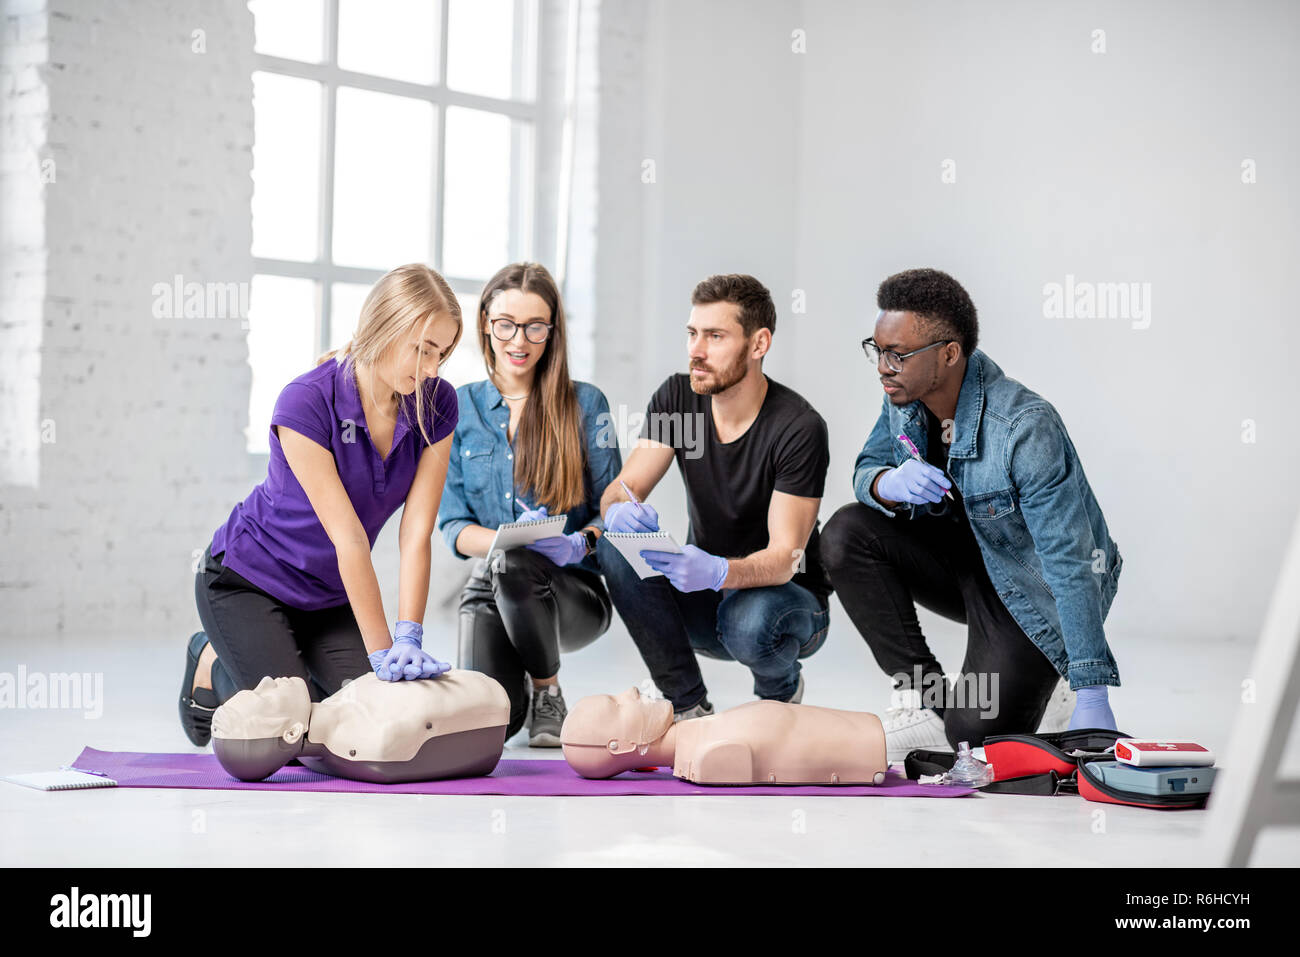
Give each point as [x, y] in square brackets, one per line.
[545, 717]
[197, 704]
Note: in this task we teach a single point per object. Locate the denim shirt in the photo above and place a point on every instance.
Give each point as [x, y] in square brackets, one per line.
[1038, 526]
[480, 487]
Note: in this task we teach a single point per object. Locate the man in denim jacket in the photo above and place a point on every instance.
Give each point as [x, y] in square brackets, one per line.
[995, 526]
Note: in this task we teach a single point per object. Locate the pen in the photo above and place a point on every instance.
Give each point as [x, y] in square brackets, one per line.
[630, 495]
[912, 450]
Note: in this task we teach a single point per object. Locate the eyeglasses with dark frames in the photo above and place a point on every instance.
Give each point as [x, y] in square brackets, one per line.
[895, 359]
[535, 331]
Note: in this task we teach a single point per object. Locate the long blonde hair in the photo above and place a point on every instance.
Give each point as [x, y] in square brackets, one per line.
[550, 444]
[409, 297]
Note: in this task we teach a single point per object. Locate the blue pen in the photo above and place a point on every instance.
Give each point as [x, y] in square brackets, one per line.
[912, 451]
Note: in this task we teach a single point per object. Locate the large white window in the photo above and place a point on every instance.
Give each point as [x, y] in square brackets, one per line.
[386, 132]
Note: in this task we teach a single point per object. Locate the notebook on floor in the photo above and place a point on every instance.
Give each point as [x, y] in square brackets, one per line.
[62, 780]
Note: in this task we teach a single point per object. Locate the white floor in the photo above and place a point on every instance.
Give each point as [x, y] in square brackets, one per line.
[1171, 687]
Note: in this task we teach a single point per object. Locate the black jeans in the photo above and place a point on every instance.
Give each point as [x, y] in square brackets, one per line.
[256, 635]
[880, 565]
[516, 620]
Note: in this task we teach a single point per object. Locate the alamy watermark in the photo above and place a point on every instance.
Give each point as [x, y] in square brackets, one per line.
[76, 909]
[677, 430]
[1098, 300]
[180, 299]
[974, 689]
[57, 690]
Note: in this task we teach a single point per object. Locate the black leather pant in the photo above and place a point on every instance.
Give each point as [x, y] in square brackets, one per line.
[515, 621]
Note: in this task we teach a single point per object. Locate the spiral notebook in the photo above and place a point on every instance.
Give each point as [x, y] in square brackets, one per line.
[631, 544]
[516, 534]
[65, 780]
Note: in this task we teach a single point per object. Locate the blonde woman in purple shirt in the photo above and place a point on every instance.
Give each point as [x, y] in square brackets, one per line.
[287, 586]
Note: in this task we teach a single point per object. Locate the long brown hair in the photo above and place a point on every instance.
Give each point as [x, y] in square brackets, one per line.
[409, 297]
[550, 444]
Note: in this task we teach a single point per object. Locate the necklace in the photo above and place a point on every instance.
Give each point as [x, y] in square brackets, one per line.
[512, 398]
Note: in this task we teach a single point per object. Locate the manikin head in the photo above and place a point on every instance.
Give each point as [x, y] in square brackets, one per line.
[277, 707]
[729, 332]
[605, 735]
[256, 732]
[925, 312]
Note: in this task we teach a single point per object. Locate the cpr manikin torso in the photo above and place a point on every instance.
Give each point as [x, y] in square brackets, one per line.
[370, 730]
[762, 742]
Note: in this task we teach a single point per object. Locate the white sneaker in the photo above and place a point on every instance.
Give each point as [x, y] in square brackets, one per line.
[908, 727]
[1060, 708]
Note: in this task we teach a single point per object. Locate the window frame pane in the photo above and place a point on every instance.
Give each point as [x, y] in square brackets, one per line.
[523, 109]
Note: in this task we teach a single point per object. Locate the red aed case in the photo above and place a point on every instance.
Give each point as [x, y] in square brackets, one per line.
[1058, 763]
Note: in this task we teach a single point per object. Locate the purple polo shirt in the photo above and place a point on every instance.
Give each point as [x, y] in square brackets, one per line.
[273, 538]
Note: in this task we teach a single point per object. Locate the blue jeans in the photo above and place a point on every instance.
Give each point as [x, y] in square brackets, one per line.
[766, 629]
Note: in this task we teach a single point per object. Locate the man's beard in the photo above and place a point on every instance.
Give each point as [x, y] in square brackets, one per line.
[721, 381]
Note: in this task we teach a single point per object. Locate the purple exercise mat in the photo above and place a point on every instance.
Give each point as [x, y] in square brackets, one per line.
[540, 777]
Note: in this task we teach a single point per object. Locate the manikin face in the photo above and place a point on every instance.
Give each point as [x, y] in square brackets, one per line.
[416, 358]
[922, 374]
[517, 355]
[277, 707]
[718, 349]
[619, 723]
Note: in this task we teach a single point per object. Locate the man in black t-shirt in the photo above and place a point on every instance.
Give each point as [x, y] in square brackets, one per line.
[749, 585]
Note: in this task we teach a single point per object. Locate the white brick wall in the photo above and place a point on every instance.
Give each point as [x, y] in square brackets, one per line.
[151, 143]
[24, 108]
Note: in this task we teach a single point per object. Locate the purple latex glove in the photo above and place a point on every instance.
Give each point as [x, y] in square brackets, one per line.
[1092, 709]
[532, 514]
[406, 660]
[631, 517]
[914, 481]
[562, 549]
[693, 570]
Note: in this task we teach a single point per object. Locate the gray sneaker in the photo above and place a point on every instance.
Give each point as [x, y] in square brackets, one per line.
[701, 710]
[545, 717]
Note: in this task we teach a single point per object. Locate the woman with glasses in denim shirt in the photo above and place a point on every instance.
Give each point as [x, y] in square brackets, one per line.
[529, 441]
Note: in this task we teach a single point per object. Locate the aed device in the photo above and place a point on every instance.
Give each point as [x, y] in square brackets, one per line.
[1148, 753]
[1158, 780]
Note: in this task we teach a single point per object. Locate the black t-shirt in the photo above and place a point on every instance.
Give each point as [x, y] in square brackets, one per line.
[729, 485]
[936, 454]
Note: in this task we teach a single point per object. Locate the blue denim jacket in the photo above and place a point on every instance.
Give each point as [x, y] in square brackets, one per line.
[1033, 514]
[480, 487]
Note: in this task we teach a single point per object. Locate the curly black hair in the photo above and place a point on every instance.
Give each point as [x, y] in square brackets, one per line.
[937, 299]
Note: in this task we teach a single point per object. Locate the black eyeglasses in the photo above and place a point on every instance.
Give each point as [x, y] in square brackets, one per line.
[535, 331]
[895, 359]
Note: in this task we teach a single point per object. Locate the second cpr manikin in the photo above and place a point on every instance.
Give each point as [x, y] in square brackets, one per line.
[760, 742]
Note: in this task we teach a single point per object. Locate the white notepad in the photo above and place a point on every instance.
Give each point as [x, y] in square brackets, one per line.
[517, 534]
[65, 780]
[631, 544]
